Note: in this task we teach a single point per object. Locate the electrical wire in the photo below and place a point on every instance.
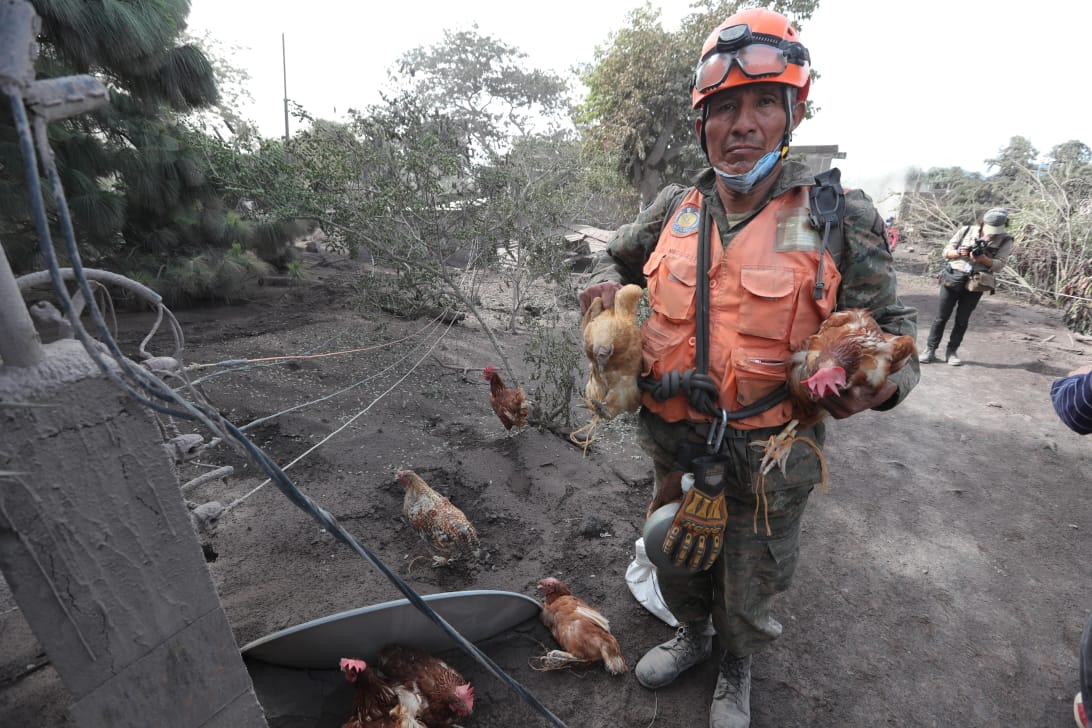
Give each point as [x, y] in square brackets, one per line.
[262, 420]
[348, 422]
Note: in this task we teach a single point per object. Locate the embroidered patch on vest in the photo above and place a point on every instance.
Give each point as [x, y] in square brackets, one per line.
[686, 221]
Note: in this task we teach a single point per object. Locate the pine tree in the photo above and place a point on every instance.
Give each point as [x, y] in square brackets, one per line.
[143, 199]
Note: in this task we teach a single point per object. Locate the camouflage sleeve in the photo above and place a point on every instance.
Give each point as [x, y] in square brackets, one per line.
[624, 259]
[869, 281]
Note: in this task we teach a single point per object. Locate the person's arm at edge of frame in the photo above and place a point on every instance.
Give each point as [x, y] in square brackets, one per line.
[869, 281]
[623, 261]
[1072, 399]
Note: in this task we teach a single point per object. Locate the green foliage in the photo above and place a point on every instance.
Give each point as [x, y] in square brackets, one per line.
[141, 183]
[637, 113]
[1077, 313]
[482, 89]
[214, 275]
[1013, 160]
[1071, 152]
[232, 85]
[532, 195]
[404, 189]
[1072, 162]
[554, 358]
[946, 198]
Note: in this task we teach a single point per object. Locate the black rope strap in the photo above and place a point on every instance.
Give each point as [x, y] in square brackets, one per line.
[700, 389]
[701, 293]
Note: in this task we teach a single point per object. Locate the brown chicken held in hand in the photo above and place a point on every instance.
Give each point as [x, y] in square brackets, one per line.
[436, 520]
[376, 702]
[850, 349]
[612, 344]
[510, 404]
[582, 631]
[444, 695]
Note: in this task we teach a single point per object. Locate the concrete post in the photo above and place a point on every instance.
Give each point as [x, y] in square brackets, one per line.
[20, 345]
[97, 547]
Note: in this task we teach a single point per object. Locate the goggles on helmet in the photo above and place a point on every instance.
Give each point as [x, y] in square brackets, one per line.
[758, 56]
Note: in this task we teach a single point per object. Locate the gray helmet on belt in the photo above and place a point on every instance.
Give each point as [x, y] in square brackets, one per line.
[656, 528]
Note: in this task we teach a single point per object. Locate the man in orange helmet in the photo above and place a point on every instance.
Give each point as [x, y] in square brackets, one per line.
[738, 275]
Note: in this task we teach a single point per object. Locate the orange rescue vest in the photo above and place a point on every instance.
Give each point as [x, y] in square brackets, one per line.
[761, 305]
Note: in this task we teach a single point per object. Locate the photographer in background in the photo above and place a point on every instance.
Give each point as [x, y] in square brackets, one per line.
[974, 255]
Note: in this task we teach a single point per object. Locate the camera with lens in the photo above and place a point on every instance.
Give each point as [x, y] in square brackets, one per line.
[977, 248]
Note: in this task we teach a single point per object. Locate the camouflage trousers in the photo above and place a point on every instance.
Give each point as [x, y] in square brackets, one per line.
[754, 565]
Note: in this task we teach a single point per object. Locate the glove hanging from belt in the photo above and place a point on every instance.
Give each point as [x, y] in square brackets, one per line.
[696, 534]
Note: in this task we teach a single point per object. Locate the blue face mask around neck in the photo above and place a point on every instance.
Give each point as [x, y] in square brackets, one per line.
[743, 183]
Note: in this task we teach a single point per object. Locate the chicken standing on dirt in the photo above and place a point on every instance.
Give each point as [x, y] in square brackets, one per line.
[612, 344]
[436, 520]
[444, 695]
[581, 630]
[510, 404]
[376, 702]
[850, 349]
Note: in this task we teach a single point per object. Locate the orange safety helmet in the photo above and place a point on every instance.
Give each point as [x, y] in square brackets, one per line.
[755, 45]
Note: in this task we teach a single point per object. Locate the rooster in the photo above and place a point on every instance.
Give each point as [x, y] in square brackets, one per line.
[376, 702]
[582, 631]
[443, 695]
[612, 344]
[848, 350]
[436, 520]
[510, 404]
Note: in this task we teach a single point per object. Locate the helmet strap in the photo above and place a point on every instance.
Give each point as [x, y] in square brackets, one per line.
[704, 118]
[790, 102]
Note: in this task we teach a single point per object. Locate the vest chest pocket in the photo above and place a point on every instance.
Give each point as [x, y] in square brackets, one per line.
[672, 277]
[767, 302]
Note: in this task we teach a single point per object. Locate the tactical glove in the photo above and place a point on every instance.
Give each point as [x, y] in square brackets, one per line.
[695, 537]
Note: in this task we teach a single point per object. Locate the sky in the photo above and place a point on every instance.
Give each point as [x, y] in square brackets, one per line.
[919, 83]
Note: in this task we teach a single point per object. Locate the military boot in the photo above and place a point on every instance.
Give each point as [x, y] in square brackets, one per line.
[929, 356]
[732, 698]
[663, 663]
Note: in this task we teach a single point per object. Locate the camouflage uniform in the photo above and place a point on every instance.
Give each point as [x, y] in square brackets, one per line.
[755, 564]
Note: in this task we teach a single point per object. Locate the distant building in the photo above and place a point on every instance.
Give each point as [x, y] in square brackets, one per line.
[818, 158]
[887, 192]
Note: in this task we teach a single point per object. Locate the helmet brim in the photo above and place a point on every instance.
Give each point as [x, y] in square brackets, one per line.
[656, 527]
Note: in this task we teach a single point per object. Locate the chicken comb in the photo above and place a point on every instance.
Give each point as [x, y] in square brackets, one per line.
[352, 667]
